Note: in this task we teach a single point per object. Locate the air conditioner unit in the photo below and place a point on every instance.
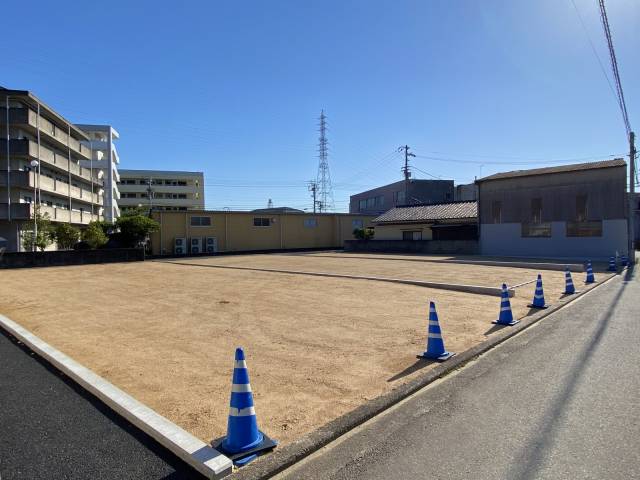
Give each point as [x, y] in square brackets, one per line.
[211, 244]
[180, 246]
[196, 245]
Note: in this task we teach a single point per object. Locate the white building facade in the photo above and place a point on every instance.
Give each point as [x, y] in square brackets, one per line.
[105, 157]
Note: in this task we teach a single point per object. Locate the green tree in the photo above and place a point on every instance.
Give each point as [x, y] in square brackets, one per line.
[363, 233]
[135, 229]
[94, 235]
[45, 235]
[66, 236]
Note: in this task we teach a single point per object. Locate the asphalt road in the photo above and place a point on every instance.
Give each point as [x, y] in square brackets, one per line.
[50, 428]
[559, 401]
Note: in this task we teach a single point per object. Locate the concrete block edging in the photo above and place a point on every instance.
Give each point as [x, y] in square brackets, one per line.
[202, 457]
[285, 457]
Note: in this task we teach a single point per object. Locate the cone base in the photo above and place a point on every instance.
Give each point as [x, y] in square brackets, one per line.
[571, 293]
[242, 458]
[589, 283]
[440, 358]
[510, 324]
[541, 307]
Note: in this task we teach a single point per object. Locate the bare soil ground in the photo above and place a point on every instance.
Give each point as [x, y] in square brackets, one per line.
[316, 347]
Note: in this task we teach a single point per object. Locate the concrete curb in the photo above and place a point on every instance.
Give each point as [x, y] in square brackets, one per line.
[209, 462]
[479, 289]
[284, 457]
[573, 267]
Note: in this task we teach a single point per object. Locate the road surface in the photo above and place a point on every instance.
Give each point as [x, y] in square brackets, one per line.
[52, 429]
[559, 401]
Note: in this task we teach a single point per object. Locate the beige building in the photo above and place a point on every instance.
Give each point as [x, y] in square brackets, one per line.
[161, 190]
[221, 231]
[42, 155]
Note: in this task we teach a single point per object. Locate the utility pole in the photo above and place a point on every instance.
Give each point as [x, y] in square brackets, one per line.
[632, 198]
[313, 188]
[406, 171]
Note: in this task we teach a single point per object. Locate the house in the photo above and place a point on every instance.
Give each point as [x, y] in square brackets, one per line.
[573, 211]
[443, 221]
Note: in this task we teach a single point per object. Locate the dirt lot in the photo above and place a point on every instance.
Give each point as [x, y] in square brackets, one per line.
[317, 347]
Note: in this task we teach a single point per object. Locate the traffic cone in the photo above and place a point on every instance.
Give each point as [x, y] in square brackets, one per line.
[435, 345]
[244, 442]
[612, 265]
[624, 261]
[506, 316]
[569, 289]
[590, 277]
[538, 296]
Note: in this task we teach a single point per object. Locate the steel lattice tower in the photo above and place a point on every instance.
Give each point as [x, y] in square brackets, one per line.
[323, 179]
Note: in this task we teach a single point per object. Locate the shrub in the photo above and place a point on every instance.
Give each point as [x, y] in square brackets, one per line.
[94, 236]
[66, 236]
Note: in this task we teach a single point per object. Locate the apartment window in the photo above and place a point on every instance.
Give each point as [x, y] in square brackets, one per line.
[371, 202]
[400, 197]
[182, 195]
[181, 184]
[200, 221]
[540, 230]
[310, 222]
[536, 210]
[496, 211]
[581, 208]
[584, 229]
[129, 182]
[261, 222]
[362, 205]
[412, 235]
[357, 223]
[380, 201]
[27, 199]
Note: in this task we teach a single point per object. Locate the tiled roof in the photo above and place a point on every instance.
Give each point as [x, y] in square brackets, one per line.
[430, 213]
[618, 162]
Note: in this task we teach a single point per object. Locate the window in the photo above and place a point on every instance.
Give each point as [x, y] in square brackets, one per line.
[371, 202]
[584, 229]
[27, 199]
[399, 197]
[536, 229]
[182, 195]
[200, 221]
[496, 212]
[310, 222]
[362, 205]
[261, 222]
[357, 223]
[412, 235]
[380, 201]
[181, 183]
[581, 208]
[536, 210]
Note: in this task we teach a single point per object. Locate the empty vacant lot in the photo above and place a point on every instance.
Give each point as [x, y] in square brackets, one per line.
[317, 347]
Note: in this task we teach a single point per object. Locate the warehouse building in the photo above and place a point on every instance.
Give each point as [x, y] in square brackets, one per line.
[195, 232]
[414, 192]
[571, 211]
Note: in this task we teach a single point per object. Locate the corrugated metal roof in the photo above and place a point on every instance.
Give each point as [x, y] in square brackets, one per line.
[575, 167]
[430, 213]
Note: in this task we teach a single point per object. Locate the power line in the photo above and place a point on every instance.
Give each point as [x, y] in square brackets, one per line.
[593, 49]
[614, 68]
[485, 162]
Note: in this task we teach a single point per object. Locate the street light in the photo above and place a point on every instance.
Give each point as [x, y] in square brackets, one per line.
[34, 165]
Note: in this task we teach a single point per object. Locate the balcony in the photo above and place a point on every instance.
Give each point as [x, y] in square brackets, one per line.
[28, 118]
[27, 148]
[50, 185]
[19, 211]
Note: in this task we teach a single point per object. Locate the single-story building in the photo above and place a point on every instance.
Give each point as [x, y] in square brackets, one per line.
[204, 231]
[441, 221]
[574, 211]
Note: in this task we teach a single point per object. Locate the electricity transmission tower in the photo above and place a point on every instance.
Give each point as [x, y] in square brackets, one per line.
[323, 179]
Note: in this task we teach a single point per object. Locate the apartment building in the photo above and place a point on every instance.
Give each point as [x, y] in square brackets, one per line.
[105, 157]
[41, 155]
[161, 190]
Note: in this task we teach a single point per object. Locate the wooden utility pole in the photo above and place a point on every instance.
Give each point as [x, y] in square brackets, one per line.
[632, 197]
[406, 171]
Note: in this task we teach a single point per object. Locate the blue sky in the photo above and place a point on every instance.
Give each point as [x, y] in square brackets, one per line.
[235, 88]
